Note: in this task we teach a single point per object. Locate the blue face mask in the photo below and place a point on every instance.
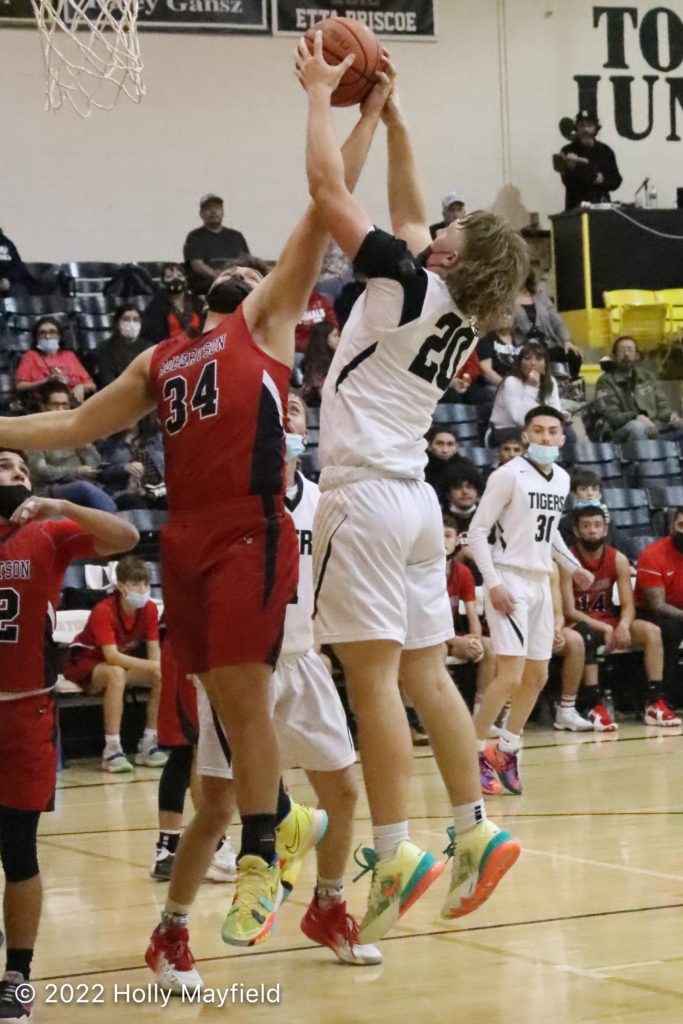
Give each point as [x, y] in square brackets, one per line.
[543, 454]
[588, 503]
[294, 447]
[135, 600]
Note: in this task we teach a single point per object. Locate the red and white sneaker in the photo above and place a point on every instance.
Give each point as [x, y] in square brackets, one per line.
[170, 960]
[662, 714]
[335, 928]
[601, 719]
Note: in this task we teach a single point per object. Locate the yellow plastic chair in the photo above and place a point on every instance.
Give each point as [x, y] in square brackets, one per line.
[637, 313]
[674, 300]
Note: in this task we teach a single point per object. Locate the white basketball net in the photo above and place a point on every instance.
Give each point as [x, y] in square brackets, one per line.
[90, 51]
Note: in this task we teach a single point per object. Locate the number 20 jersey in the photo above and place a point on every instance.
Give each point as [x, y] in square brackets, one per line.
[220, 400]
[403, 342]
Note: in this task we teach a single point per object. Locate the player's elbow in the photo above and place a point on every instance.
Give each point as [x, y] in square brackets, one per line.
[121, 538]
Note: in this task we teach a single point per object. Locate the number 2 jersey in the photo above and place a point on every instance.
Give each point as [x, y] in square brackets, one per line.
[220, 400]
[402, 344]
[33, 559]
[523, 507]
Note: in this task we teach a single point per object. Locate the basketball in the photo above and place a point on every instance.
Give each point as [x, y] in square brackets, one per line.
[342, 36]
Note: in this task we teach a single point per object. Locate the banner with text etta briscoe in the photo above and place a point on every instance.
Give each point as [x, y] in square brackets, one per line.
[168, 15]
[391, 19]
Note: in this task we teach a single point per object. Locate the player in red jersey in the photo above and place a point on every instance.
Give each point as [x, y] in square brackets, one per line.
[36, 546]
[229, 551]
[597, 617]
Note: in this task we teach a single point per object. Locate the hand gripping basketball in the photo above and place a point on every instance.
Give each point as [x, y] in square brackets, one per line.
[312, 69]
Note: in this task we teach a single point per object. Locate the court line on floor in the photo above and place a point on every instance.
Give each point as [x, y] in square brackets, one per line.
[604, 864]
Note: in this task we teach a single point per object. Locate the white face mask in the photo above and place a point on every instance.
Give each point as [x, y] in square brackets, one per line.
[49, 346]
[129, 329]
[136, 600]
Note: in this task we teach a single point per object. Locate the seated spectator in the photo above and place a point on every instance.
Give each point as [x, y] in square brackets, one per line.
[569, 646]
[210, 243]
[464, 488]
[46, 361]
[134, 461]
[119, 647]
[452, 208]
[659, 598]
[319, 310]
[529, 384]
[535, 310]
[632, 400]
[497, 352]
[600, 621]
[586, 492]
[15, 277]
[116, 353]
[322, 345]
[443, 458]
[172, 310]
[510, 448]
[68, 473]
[469, 645]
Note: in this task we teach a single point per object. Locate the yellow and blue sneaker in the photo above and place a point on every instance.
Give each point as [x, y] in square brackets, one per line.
[481, 857]
[397, 882]
[299, 832]
[258, 894]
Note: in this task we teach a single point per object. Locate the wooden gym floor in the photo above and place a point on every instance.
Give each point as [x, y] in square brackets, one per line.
[587, 927]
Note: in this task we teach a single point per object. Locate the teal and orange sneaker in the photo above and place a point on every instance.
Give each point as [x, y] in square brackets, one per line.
[397, 882]
[481, 857]
[258, 894]
[299, 832]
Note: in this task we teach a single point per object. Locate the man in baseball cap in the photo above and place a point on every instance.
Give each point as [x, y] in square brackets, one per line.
[452, 207]
[588, 167]
[207, 247]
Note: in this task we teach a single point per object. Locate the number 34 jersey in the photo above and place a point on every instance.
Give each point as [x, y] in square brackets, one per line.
[399, 350]
[220, 400]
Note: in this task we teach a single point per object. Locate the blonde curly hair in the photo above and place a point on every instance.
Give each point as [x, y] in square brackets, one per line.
[485, 282]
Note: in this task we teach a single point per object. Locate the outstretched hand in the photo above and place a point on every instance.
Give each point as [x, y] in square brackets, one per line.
[375, 103]
[313, 70]
[36, 509]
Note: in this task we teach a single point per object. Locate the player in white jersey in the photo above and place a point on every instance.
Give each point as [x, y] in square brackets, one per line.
[312, 733]
[522, 505]
[378, 553]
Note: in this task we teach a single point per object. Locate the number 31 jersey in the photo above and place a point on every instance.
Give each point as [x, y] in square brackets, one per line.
[220, 400]
[398, 352]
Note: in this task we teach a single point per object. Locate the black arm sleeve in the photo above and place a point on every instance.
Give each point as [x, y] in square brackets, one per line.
[384, 255]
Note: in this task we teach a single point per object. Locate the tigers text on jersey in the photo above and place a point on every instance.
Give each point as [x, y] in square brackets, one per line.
[399, 350]
[301, 502]
[220, 400]
[523, 507]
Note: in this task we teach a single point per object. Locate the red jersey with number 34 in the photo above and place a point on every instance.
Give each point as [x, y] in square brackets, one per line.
[597, 600]
[221, 401]
[33, 559]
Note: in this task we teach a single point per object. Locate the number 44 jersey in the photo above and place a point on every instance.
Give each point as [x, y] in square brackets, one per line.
[399, 350]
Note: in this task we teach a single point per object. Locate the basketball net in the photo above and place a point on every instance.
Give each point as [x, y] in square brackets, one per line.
[90, 51]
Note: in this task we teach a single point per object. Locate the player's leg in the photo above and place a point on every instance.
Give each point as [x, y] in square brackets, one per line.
[22, 904]
[110, 681]
[659, 707]
[573, 655]
[598, 714]
[173, 785]
[149, 677]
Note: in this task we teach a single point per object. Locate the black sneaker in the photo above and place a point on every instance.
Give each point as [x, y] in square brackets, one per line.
[12, 1007]
[163, 865]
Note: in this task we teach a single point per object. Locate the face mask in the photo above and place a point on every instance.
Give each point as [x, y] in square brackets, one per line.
[588, 503]
[136, 600]
[227, 296]
[543, 454]
[677, 539]
[48, 346]
[175, 286]
[294, 447]
[592, 544]
[129, 329]
[11, 497]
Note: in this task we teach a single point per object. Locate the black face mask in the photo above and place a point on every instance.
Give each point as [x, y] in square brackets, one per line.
[227, 296]
[11, 497]
[422, 257]
[677, 539]
[592, 545]
[175, 286]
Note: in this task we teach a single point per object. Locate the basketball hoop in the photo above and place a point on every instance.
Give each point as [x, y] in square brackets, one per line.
[90, 51]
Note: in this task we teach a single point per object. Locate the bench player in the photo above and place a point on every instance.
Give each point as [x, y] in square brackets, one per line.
[378, 550]
[36, 546]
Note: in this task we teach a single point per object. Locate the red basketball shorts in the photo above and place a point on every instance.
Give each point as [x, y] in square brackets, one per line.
[28, 741]
[228, 574]
[177, 720]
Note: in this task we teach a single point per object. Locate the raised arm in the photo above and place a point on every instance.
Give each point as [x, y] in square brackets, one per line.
[407, 206]
[120, 405]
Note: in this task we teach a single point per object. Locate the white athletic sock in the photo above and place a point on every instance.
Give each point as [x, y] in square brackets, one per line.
[466, 816]
[149, 738]
[567, 702]
[112, 743]
[508, 742]
[387, 837]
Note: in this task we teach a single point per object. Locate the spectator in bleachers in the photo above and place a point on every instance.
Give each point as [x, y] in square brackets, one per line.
[510, 448]
[497, 352]
[15, 277]
[659, 597]
[535, 311]
[135, 465]
[318, 311]
[47, 361]
[586, 492]
[71, 474]
[601, 621]
[119, 647]
[210, 243]
[464, 486]
[452, 207]
[127, 341]
[528, 384]
[443, 458]
[632, 400]
[172, 310]
[322, 344]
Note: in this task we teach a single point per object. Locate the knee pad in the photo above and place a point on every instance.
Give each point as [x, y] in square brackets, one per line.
[19, 844]
[592, 641]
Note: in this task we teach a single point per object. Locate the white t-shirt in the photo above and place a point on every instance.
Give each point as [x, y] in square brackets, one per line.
[513, 400]
[398, 352]
[301, 502]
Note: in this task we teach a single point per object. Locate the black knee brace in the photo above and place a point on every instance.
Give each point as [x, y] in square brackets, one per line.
[19, 843]
[175, 778]
[592, 640]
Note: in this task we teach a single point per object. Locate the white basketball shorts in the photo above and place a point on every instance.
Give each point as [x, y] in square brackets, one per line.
[379, 565]
[528, 632]
[309, 719]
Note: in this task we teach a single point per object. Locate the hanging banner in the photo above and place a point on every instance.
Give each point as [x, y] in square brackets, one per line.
[168, 15]
[391, 19]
